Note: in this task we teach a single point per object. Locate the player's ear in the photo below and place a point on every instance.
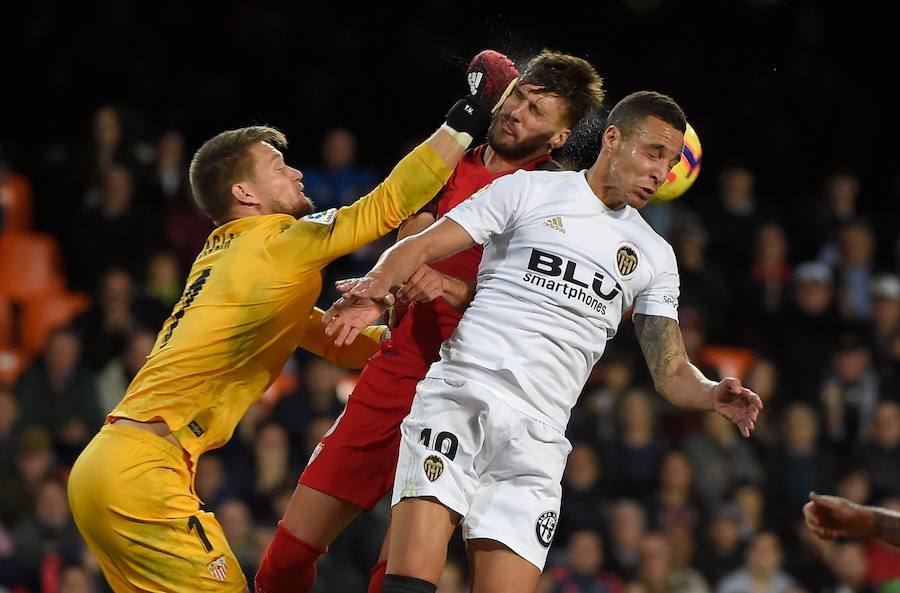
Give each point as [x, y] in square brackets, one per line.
[612, 136]
[242, 194]
[560, 138]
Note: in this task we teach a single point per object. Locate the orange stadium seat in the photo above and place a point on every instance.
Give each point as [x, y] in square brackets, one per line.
[29, 265]
[15, 199]
[43, 315]
[6, 322]
[12, 363]
[729, 361]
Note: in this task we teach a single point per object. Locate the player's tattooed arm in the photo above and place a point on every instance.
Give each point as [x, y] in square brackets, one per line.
[663, 347]
[674, 376]
[683, 384]
[886, 526]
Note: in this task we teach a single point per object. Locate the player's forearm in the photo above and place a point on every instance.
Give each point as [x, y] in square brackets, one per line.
[416, 179]
[421, 174]
[449, 145]
[686, 387]
[886, 525]
[674, 377]
[457, 293]
[398, 263]
[412, 183]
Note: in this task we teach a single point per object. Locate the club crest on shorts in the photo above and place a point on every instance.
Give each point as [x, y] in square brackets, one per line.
[218, 568]
[626, 259]
[434, 467]
[545, 527]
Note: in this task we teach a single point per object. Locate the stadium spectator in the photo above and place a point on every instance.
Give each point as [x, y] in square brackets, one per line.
[57, 393]
[119, 309]
[728, 220]
[801, 463]
[880, 456]
[113, 380]
[584, 487]
[47, 538]
[703, 286]
[762, 572]
[768, 280]
[850, 566]
[850, 391]
[164, 279]
[627, 526]
[721, 551]
[639, 447]
[114, 232]
[885, 292]
[806, 336]
[720, 459]
[674, 505]
[657, 571]
[583, 571]
[854, 265]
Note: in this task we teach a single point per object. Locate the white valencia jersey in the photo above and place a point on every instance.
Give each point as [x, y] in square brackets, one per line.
[559, 269]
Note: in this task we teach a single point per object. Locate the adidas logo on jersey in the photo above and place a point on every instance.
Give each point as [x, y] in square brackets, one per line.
[556, 223]
[474, 81]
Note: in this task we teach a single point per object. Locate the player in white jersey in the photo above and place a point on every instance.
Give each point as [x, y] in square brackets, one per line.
[565, 254]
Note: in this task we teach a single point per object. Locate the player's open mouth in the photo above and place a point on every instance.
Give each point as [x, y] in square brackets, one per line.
[646, 193]
[507, 128]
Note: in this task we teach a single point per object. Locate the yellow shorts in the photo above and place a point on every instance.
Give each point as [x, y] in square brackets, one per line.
[131, 497]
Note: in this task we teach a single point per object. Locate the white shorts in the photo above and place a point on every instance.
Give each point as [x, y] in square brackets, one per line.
[494, 465]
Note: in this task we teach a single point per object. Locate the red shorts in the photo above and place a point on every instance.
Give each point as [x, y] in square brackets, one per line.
[357, 457]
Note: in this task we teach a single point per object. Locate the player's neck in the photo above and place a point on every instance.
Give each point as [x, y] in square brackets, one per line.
[495, 163]
[606, 191]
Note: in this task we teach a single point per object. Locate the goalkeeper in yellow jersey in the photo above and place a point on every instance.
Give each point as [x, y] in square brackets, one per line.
[248, 303]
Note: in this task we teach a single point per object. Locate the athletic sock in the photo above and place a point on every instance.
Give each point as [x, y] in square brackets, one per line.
[397, 584]
[288, 566]
[376, 577]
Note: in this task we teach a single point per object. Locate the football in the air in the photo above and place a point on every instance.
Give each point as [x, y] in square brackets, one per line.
[682, 175]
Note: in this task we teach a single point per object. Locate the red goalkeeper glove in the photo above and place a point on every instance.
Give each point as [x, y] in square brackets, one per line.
[491, 77]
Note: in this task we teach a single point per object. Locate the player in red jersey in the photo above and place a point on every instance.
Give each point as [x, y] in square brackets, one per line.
[353, 466]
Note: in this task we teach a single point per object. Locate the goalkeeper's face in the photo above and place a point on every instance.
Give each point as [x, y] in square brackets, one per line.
[528, 125]
[278, 187]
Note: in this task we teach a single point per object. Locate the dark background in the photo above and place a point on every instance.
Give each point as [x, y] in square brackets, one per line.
[791, 88]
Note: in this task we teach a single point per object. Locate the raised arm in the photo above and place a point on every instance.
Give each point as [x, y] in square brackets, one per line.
[318, 239]
[682, 383]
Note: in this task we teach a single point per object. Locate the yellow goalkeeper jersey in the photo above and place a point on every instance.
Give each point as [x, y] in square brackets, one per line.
[249, 303]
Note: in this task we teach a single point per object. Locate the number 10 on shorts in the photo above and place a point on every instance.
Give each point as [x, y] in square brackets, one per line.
[444, 442]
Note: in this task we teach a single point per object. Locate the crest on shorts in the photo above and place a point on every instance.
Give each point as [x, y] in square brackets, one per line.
[218, 568]
[545, 527]
[626, 259]
[434, 467]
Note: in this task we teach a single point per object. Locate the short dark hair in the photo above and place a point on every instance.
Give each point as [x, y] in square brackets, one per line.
[221, 161]
[572, 79]
[631, 111]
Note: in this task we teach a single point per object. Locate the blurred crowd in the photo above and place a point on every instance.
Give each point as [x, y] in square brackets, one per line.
[800, 299]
